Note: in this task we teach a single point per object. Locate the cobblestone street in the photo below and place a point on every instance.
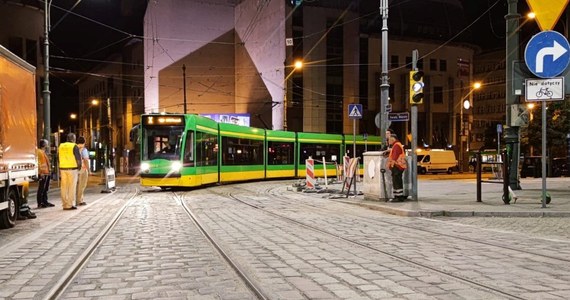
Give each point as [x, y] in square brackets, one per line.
[141, 244]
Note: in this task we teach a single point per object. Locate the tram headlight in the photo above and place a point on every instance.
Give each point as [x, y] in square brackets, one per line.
[145, 167]
[175, 166]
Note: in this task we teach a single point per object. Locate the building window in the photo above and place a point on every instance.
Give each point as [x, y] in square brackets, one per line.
[394, 61]
[363, 74]
[32, 52]
[421, 64]
[334, 78]
[433, 64]
[437, 95]
[409, 62]
[15, 46]
[443, 65]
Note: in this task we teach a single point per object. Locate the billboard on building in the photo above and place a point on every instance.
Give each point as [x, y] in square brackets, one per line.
[237, 119]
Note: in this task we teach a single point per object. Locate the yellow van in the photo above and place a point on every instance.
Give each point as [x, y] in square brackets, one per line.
[436, 160]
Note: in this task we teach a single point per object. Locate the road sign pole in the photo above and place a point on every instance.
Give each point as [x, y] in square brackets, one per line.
[353, 138]
[414, 164]
[385, 85]
[512, 53]
[543, 154]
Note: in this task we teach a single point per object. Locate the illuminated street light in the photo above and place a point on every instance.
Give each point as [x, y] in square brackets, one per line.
[464, 130]
[297, 65]
[73, 116]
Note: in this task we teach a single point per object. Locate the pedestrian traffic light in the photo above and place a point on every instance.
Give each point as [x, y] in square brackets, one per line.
[416, 87]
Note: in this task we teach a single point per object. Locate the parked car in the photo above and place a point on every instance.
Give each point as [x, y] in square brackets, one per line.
[531, 167]
[560, 167]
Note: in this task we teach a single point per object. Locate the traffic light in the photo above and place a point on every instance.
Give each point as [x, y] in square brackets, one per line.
[416, 87]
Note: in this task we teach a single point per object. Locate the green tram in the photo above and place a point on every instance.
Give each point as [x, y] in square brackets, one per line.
[189, 150]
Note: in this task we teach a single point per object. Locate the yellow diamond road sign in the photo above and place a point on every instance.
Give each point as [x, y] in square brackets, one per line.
[547, 12]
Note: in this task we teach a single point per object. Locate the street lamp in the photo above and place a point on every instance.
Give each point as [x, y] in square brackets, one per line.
[46, 92]
[73, 118]
[298, 65]
[94, 103]
[464, 129]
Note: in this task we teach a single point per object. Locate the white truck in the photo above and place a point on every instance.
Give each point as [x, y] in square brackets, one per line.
[18, 121]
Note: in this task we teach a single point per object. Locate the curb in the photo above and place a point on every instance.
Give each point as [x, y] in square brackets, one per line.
[456, 213]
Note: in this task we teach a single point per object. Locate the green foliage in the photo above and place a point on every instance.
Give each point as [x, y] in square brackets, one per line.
[557, 126]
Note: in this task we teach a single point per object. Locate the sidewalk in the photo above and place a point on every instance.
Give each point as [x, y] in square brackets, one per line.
[458, 198]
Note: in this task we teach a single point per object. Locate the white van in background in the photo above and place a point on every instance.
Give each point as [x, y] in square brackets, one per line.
[436, 160]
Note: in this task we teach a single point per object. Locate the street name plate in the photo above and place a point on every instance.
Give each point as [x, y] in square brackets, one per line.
[399, 117]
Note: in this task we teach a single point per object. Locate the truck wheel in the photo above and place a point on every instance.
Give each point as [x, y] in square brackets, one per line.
[8, 216]
[449, 171]
[423, 171]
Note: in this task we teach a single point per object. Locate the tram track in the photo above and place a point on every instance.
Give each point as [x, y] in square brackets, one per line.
[66, 281]
[219, 248]
[63, 283]
[401, 258]
[274, 194]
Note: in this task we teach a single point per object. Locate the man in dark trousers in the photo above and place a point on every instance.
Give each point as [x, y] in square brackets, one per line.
[43, 174]
[397, 164]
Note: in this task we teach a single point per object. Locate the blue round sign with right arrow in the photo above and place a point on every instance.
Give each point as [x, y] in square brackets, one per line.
[547, 54]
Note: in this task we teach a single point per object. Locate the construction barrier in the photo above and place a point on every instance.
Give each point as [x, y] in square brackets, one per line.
[109, 180]
[310, 171]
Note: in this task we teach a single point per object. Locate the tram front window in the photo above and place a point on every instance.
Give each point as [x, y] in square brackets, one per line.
[162, 143]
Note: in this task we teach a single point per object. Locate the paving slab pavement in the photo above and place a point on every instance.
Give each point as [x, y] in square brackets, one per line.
[458, 198]
[439, 195]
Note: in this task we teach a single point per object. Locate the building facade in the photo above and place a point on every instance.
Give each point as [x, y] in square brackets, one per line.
[21, 32]
[117, 88]
[239, 58]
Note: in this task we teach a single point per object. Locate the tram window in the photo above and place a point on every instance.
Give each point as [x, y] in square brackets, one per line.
[279, 153]
[237, 151]
[317, 151]
[189, 148]
[359, 151]
[206, 149]
[162, 143]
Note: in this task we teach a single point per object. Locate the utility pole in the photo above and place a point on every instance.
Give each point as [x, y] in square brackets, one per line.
[385, 85]
[512, 138]
[184, 84]
[46, 92]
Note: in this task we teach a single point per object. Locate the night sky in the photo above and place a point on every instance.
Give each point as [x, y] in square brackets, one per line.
[96, 28]
[82, 39]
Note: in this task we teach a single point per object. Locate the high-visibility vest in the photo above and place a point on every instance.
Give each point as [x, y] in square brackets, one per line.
[43, 162]
[66, 157]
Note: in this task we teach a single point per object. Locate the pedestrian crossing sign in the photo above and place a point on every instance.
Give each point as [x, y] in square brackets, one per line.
[355, 111]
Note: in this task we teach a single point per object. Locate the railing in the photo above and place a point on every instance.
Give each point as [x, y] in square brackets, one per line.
[504, 164]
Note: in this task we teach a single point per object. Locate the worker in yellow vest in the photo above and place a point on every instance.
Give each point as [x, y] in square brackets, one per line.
[69, 165]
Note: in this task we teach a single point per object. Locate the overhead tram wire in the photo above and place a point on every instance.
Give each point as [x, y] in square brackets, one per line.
[452, 38]
[91, 20]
